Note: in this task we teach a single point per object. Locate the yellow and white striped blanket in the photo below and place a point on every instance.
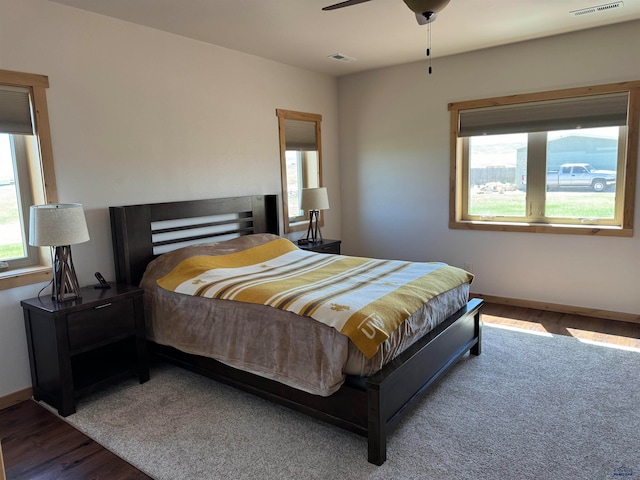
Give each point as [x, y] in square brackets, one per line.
[364, 299]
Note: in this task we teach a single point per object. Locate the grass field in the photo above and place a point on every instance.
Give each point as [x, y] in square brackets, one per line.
[565, 204]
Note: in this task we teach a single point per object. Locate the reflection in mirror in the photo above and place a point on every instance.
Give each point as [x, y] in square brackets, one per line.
[300, 163]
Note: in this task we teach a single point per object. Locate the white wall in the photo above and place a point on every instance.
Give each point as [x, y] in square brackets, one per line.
[138, 116]
[394, 163]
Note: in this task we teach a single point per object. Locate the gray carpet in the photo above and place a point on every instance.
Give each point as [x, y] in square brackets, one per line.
[530, 407]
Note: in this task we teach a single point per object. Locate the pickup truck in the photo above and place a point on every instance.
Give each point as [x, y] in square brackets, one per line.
[581, 175]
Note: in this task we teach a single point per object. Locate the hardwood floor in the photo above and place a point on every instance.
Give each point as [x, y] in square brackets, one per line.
[38, 444]
[584, 328]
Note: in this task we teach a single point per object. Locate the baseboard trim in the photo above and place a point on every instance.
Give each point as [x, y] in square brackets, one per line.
[555, 307]
[15, 397]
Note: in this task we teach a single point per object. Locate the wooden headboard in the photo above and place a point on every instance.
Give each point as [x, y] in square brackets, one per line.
[141, 232]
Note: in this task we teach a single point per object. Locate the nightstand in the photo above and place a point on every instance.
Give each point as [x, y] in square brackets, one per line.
[79, 346]
[324, 246]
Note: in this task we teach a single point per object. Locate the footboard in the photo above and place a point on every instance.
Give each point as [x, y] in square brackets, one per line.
[402, 382]
[366, 406]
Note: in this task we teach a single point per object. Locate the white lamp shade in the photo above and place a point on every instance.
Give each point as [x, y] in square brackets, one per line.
[57, 225]
[314, 199]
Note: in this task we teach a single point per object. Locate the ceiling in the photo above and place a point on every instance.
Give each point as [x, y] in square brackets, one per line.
[374, 34]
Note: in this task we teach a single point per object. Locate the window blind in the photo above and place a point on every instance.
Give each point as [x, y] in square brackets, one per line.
[15, 111]
[565, 114]
[300, 135]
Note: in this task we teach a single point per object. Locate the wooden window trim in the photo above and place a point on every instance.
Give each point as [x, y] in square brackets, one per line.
[37, 85]
[297, 223]
[457, 194]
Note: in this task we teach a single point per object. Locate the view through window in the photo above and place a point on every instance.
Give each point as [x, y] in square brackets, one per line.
[580, 182]
[12, 243]
[298, 165]
[559, 161]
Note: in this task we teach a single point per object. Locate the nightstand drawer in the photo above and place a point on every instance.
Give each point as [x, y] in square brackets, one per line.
[331, 248]
[323, 246]
[100, 324]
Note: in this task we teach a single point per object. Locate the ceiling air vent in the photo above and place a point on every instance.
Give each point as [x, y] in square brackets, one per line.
[599, 8]
[341, 58]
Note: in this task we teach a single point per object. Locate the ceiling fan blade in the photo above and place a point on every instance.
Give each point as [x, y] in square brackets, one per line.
[348, 3]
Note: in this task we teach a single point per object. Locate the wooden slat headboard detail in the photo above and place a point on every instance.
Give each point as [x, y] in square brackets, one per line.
[141, 232]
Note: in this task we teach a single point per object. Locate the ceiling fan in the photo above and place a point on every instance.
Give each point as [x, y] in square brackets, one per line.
[425, 10]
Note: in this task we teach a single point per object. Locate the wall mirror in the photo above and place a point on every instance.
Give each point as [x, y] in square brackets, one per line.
[300, 163]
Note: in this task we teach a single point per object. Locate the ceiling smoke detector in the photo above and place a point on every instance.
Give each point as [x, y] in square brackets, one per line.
[599, 8]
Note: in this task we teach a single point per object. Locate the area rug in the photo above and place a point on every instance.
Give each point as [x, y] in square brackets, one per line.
[530, 407]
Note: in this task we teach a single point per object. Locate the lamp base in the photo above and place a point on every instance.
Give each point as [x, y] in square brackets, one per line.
[65, 281]
[314, 235]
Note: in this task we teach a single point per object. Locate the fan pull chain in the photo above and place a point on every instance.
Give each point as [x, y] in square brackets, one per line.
[429, 45]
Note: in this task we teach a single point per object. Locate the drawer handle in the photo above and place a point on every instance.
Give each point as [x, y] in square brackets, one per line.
[102, 306]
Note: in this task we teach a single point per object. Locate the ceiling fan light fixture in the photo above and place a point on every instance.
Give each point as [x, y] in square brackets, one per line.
[424, 7]
[419, 7]
[426, 17]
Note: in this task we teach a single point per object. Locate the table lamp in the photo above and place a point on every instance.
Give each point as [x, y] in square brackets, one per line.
[59, 226]
[313, 200]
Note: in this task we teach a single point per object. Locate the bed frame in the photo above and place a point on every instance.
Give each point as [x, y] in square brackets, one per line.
[368, 406]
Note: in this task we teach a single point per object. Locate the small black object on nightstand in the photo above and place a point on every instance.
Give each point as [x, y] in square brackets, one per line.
[102, 283]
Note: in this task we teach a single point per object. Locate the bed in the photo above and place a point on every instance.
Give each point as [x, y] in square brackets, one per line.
[367, 400]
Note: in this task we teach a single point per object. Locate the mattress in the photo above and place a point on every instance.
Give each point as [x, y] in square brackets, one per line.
[282, 346]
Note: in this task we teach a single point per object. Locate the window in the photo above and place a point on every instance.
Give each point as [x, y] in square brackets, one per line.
[554, 162]
[301, 172]
[15, 198]
[26, 175]
[300, 163]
